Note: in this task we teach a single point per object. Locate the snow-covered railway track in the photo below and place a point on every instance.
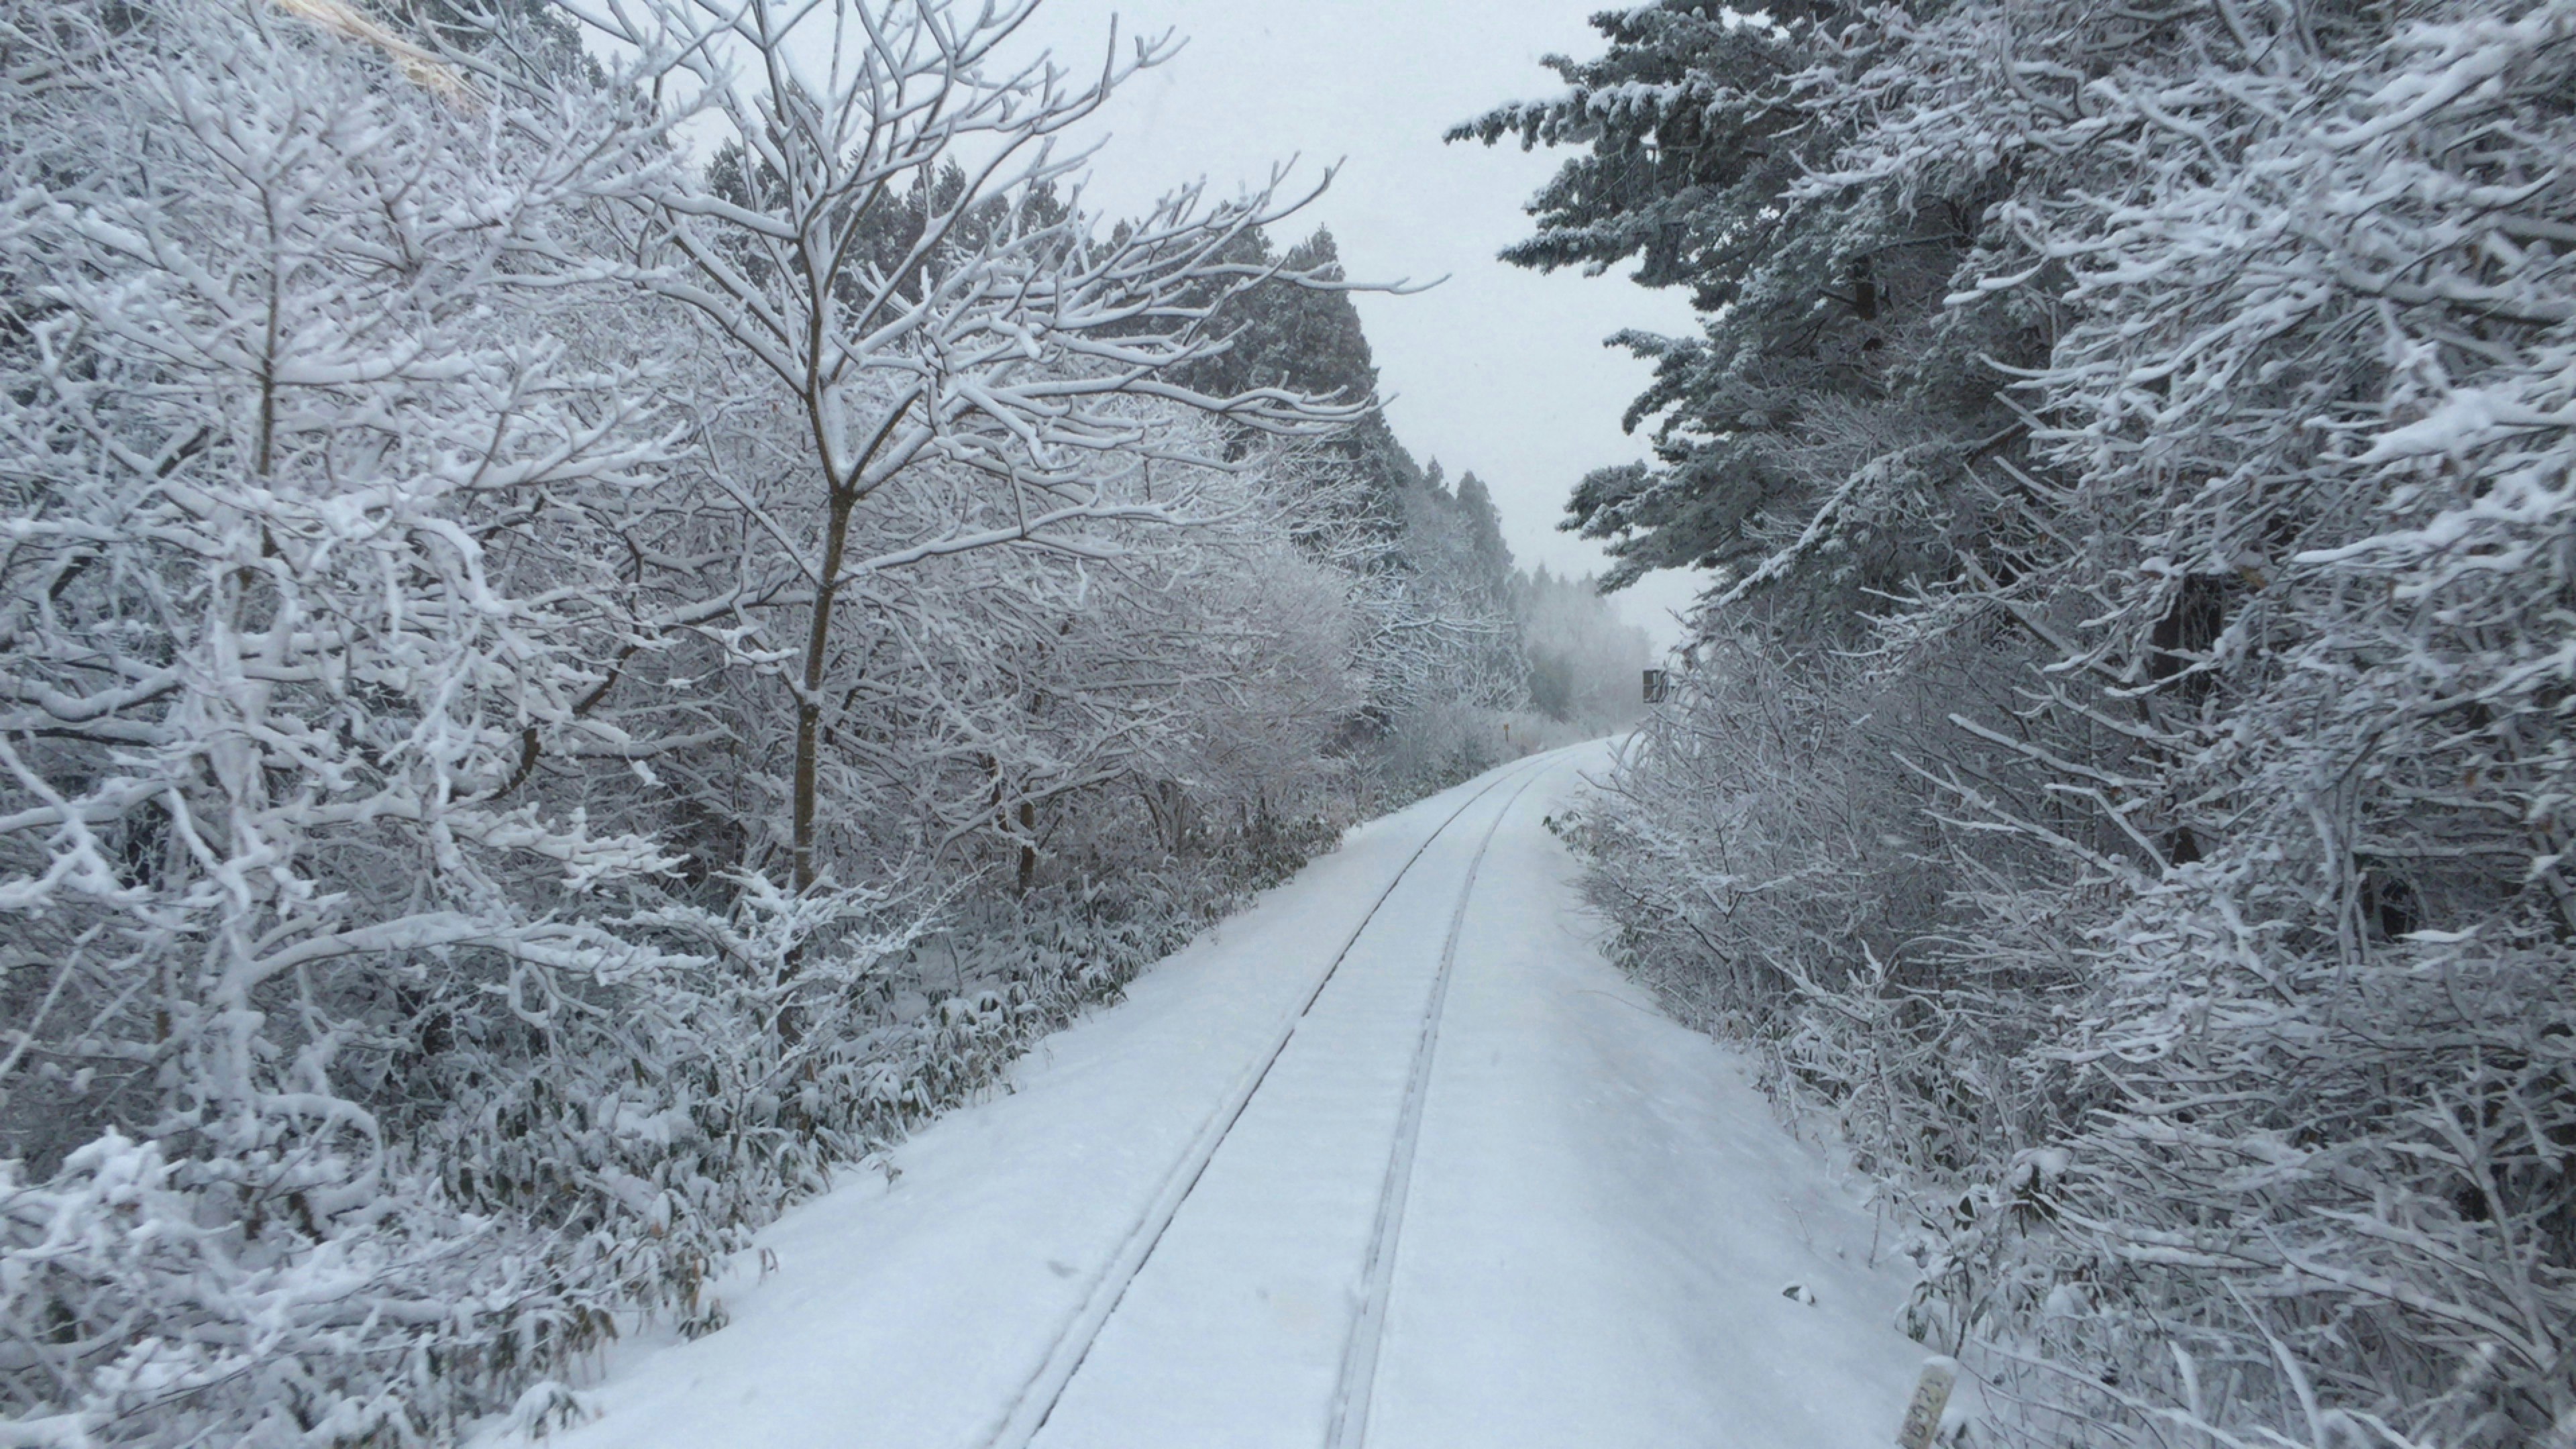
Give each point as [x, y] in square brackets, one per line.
[1035, 1406]
[1566, 1219]
[1348, 1427]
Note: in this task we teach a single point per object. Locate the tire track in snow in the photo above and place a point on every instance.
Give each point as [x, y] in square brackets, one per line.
[1348, 1428]
[1037, 1399]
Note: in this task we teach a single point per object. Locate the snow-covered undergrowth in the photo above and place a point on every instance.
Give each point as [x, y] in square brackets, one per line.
[323, 1291]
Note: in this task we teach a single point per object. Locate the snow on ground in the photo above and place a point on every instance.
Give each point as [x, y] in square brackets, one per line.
[1601, 1223]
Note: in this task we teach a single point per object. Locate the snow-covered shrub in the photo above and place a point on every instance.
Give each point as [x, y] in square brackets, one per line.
[283, 631]
[1765, 849]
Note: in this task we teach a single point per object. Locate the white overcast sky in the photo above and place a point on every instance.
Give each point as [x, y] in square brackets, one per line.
[1497, 370]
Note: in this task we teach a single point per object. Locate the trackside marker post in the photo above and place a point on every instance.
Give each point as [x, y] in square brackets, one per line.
[1931, 1396]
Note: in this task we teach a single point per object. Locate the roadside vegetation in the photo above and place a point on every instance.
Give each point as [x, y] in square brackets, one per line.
[2121, 772]
[600, 609]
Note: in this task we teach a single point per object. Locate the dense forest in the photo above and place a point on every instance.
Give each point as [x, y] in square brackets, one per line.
[606, 607]
[2122, 769]
[589, 632]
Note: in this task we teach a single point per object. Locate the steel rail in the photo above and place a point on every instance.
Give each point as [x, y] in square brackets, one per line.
[1036, 1401]
[1353, 1390]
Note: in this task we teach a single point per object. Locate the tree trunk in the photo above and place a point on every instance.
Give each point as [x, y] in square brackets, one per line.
[1028, 845]
[809, 697]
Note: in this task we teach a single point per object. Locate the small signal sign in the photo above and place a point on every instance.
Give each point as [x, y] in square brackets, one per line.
[1931, 1397]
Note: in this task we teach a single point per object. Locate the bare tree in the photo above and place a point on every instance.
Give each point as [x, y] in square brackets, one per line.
[881, 233]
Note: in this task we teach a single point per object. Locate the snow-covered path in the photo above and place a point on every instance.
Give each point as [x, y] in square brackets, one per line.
[1275, 1200]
